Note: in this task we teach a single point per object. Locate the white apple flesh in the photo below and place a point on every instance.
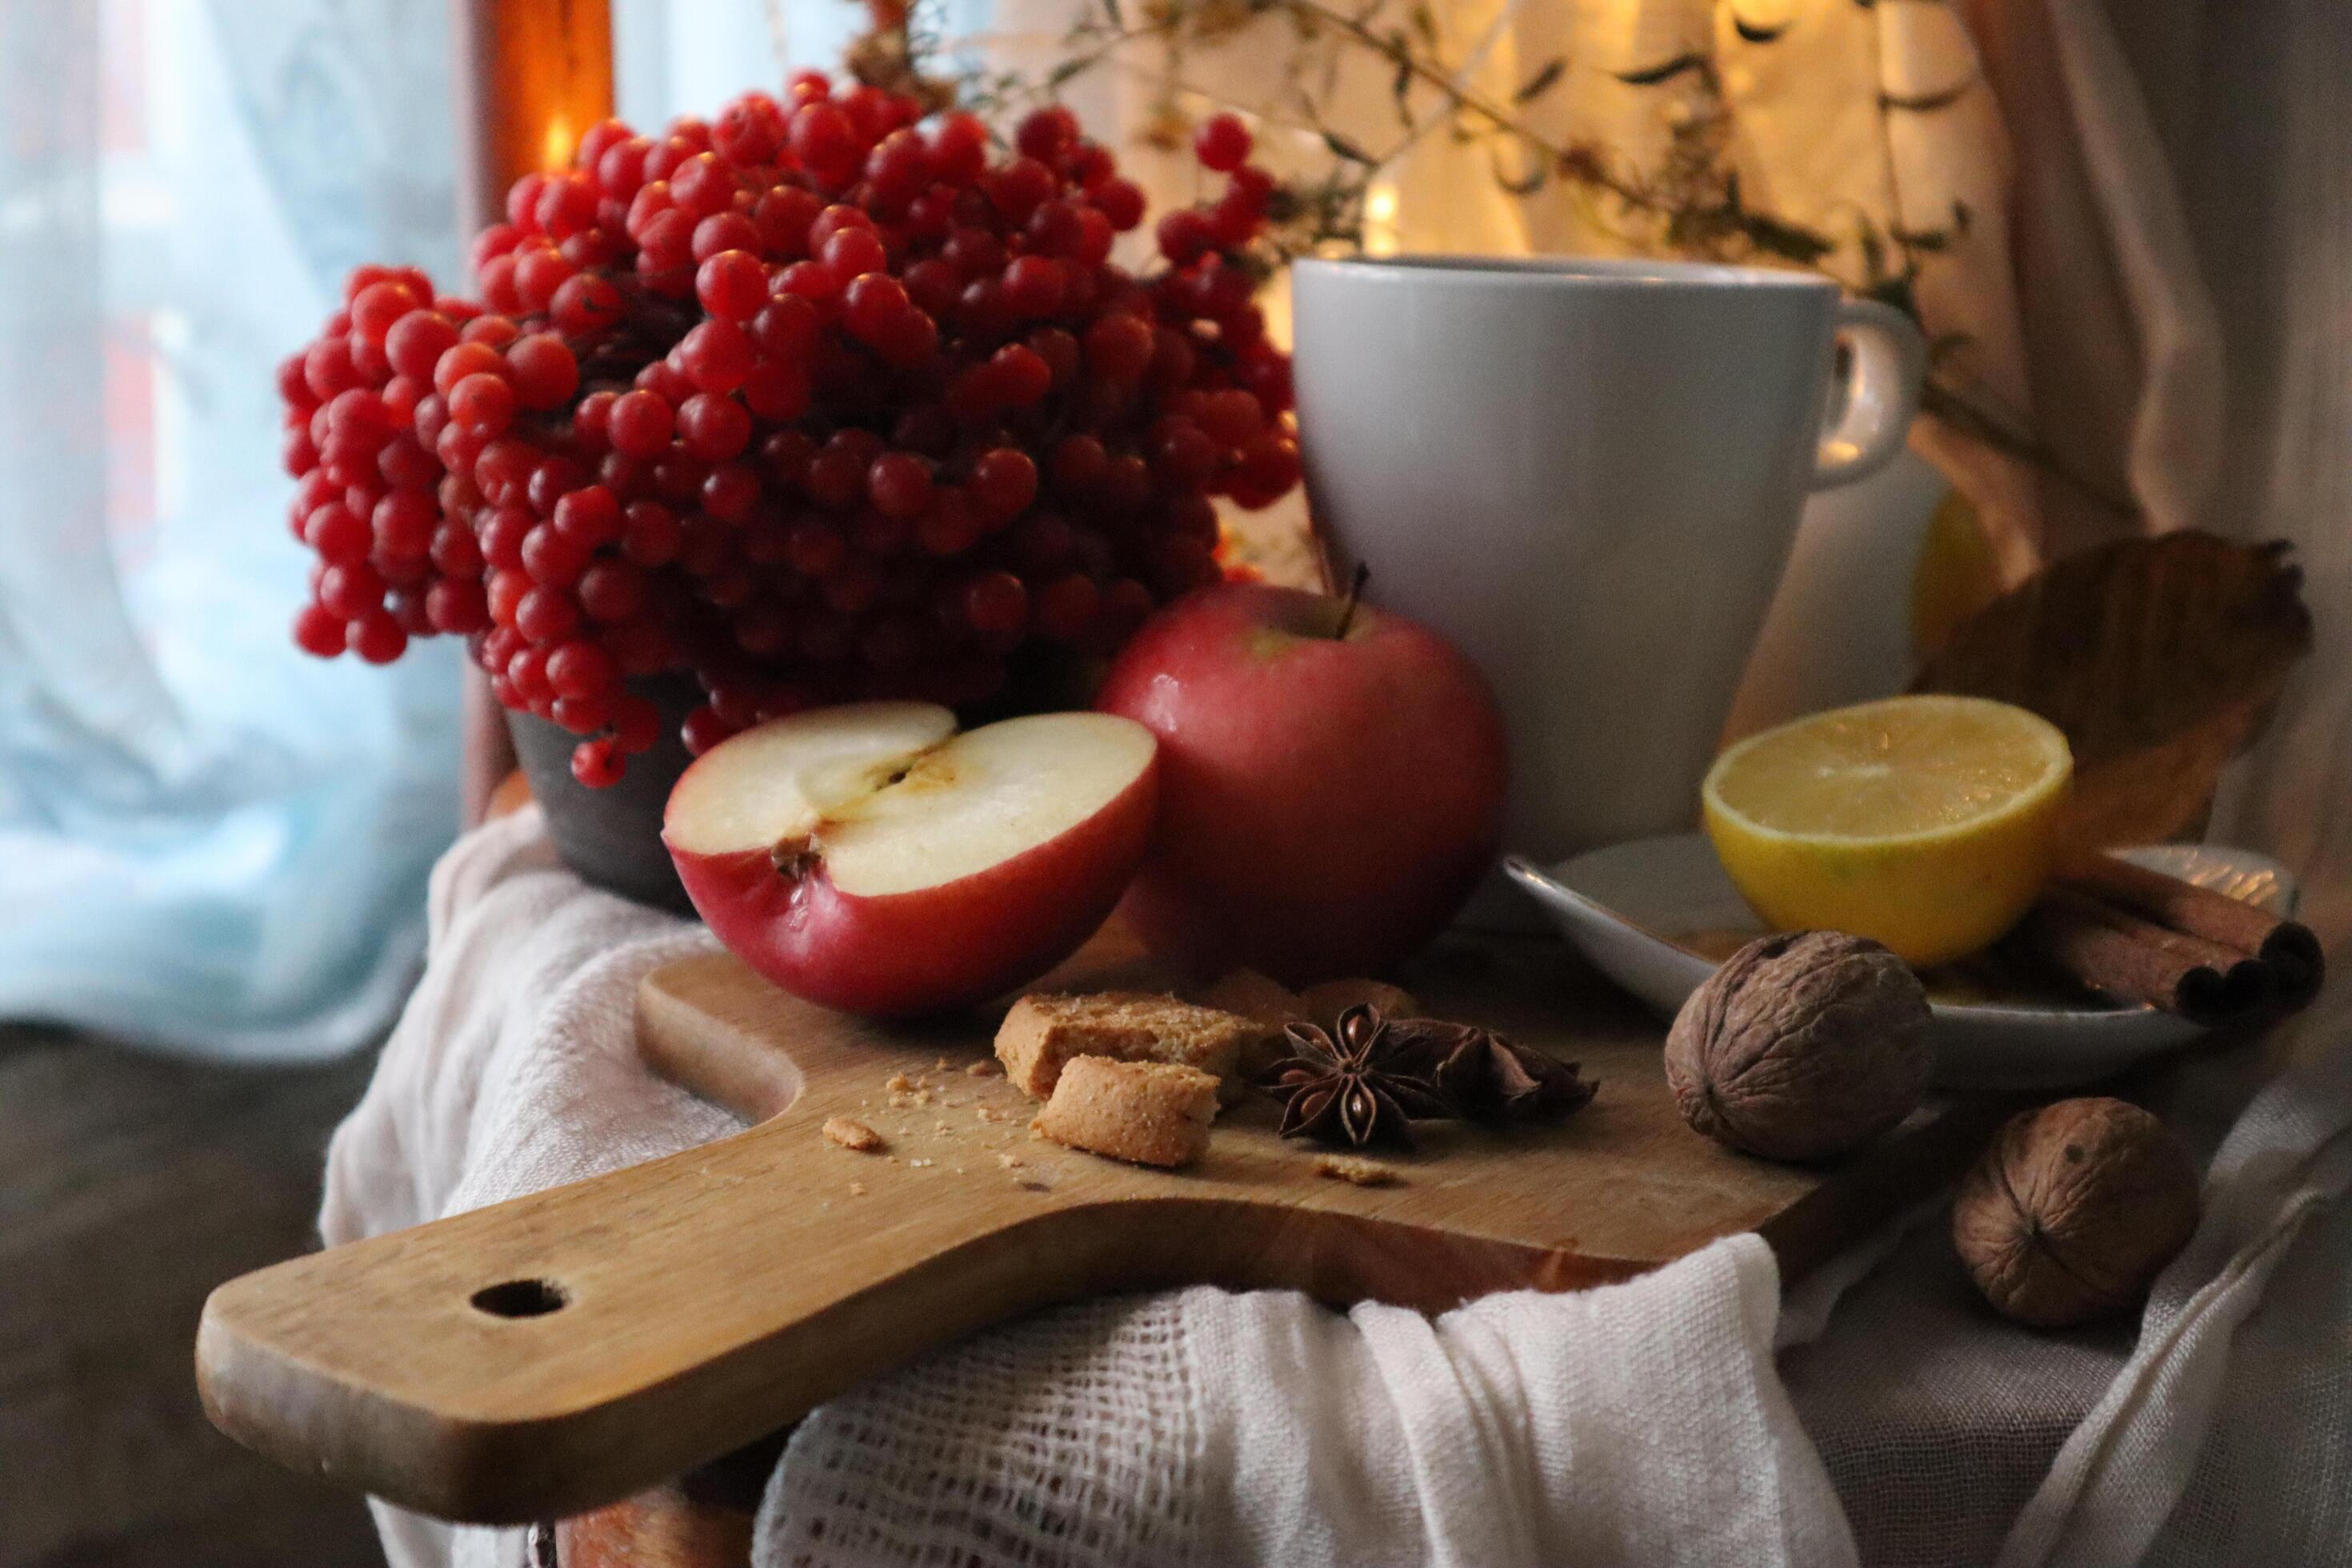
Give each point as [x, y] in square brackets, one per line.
[872, 859]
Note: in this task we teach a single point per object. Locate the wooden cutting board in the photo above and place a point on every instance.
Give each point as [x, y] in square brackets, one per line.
[567, 1349]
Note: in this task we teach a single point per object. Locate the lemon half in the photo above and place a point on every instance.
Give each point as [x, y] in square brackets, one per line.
[1926, 823]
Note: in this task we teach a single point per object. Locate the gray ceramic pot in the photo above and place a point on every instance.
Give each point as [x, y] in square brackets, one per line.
[612, 838]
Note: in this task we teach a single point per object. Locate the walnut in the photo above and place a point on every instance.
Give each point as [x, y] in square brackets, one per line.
[1802, 1045]
[2074, 1210]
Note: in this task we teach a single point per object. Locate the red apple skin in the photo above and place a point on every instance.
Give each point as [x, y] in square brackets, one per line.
[951, 945]
[1326, 805]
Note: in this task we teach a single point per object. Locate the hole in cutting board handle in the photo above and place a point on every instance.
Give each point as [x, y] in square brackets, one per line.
[519, 1299]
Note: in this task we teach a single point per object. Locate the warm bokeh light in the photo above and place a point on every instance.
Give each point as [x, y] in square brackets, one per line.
[1380, 220]
[557, 141]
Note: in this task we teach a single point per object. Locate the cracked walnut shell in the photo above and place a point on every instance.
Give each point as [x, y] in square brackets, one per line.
[1802, 1045]
[2074, 1210]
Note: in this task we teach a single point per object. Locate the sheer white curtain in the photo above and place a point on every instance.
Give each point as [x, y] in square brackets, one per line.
[207, 840]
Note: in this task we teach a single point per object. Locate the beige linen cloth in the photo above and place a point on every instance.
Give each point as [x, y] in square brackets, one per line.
[2150, 148]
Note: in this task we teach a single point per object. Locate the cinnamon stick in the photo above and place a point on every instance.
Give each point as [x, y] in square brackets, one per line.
[2288, 947]
[2118, 953]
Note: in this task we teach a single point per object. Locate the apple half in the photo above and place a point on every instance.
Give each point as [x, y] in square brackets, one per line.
[873, 859]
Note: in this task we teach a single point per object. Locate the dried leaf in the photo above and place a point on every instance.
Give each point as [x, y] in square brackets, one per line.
[1666, 72]
[1536, 86]
[1527, 184]
[2159, 657]
[1926, 102]
[1787, 240]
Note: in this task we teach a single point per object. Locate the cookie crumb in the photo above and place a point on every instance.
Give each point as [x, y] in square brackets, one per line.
[853, 1135]
[1010, 1162]
[987, 1067]
[899, 1083]
[857, 1189]
[920, 1165]
[1357, 1173]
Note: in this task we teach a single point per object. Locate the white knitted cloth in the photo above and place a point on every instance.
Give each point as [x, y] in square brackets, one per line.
[1645, 1423]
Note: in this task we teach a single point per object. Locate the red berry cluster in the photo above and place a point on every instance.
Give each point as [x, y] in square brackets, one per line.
[814, 400]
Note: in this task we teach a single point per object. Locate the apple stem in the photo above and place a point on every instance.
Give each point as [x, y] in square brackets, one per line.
[1355, 596]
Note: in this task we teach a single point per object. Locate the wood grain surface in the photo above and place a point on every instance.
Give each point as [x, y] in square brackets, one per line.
[561, 1351]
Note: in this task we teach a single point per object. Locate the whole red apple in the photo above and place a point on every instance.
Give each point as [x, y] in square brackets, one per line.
[1332, 781]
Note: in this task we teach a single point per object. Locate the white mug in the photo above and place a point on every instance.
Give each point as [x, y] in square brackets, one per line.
[1588, 474]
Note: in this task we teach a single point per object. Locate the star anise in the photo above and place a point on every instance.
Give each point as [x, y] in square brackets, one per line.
[1483, 1077]
[1358, 1087]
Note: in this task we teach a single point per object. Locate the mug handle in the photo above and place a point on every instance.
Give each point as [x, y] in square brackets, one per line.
[1882, 396]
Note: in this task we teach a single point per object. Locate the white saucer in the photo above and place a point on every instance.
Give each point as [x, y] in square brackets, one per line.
[1614, 905]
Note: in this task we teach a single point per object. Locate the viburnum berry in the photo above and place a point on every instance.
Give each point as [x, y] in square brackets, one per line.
[718, 355]
[546, 615]
[848, 252]
[376, 308]
[319, 631]
[1121, 201]
[825, 142]
[377, 638]
[732, 284]
[640, 423]
[1222, 144]
[586, 305]
[749, 131]
[1045, 134]
[612, 591]
[458, 605]
[996, 602]
[1005, 481]
[899, 485]
[543, 370]
[722, 232]
[596, 763]
[713, 428]
[1185, 236]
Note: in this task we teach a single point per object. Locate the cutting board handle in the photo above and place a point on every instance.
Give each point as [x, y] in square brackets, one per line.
[557, 1351]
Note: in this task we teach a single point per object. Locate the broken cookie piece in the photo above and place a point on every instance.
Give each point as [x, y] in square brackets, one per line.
[1151, 1113]
[1043, 1032]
